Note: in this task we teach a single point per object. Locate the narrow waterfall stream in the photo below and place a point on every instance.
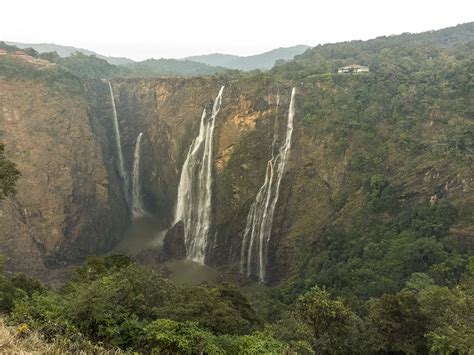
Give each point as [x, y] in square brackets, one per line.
[121, 167]
[194, 192]
[137, 204]
[258, 228]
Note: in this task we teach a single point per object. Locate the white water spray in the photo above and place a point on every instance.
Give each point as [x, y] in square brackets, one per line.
[117, 141]
[137, 205]
[257, 233]
[194, 192]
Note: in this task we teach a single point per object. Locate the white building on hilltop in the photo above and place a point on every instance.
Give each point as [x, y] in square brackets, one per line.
[353, 68]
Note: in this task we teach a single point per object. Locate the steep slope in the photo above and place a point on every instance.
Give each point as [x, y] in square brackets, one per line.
[64, 206]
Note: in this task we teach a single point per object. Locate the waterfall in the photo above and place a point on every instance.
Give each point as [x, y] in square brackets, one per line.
[117, 141]
[194, 192]
[137, 205]
[257, 233]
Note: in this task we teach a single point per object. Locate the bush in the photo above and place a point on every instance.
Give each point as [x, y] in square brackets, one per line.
[168, 336]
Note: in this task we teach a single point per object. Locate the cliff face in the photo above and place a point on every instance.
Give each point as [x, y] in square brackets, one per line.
[330, 164]
[71, 202]
[62, 209]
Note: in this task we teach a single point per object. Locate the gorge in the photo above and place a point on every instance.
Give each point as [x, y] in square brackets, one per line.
[97, 155]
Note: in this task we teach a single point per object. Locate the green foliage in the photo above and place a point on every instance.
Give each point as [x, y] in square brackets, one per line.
[15, 287]
[167, 336]
[114, 301]
[381, 196]
[53, 77]
[418, 281]
[256, 343]
[330, 321]
[223, 310]
[96, 267]
[89, 66]
[450, 313]
[396, 324]
[380, 254]
[46, 312]
[171, 67]
[8, 174]
[429, 220]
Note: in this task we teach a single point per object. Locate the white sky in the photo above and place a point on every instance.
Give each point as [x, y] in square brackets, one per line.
[142, 29]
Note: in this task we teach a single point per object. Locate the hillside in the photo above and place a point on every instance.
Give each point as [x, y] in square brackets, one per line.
[90, 66]
[171, 67]
[214, 63]
[66, 51]
[263, 61]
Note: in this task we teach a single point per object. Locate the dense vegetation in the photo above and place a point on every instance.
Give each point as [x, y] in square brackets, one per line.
[91, 66]
[118, 304]
[414, 107]
[66, 51]
[171, 67]
[113, 303]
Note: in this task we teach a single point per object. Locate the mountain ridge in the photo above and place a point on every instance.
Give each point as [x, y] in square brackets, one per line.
[262, 61]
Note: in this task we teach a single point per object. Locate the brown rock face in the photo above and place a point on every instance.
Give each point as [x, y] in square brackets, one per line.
[174, 247]
[61, 211]
[70, 202]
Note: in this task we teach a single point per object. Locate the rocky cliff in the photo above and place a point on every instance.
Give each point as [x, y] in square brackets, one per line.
[351, 133]
[62, 209]
[325, 184]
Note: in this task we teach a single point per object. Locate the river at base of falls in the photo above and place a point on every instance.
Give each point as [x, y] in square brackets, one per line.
[148, 233]
[143, 233]
[188, 272]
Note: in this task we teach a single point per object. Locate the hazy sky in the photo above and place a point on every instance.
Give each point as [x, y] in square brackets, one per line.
[141, 29]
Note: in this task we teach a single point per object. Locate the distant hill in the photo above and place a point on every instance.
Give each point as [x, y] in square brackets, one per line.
[263, 61]
[66, 51]
[454, 41]
[194, 65]
[171, 67]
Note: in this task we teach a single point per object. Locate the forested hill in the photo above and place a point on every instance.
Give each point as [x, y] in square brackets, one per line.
[406, 51]
[195, 65]
[263, 61]
[66, 51]
[171, 67]
[91, 66]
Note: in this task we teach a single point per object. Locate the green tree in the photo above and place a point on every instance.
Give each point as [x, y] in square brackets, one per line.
[450, 314]
[170, 337]
[8, 174]
[330, 321]
[396, 324]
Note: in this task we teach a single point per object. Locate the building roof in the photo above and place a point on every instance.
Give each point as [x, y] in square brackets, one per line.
[353, 66]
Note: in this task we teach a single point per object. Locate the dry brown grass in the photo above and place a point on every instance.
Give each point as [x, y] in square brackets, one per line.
[22, 340]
